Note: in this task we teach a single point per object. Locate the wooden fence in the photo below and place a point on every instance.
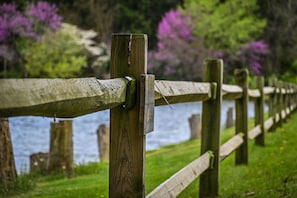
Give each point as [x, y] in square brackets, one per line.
[132, 94]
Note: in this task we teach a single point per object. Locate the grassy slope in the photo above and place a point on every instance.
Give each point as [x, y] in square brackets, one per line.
[271, 171]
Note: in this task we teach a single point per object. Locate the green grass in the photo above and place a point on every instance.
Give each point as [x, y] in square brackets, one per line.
[271, 171]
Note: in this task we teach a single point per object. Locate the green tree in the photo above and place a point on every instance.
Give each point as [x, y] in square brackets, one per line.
[56, 55]
[225, 25]
[281, 35]
[97, 15]
[142, 16]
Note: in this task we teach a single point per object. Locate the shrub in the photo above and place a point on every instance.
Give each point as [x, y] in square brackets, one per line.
[56, 55]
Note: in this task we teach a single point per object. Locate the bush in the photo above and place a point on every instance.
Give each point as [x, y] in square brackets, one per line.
[56, 55]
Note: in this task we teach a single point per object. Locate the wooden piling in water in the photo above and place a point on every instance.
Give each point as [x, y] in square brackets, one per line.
[61, 148]
[103, 142]
[195, 126]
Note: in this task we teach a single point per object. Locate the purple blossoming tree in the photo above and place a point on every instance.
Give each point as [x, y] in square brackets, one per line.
[252, 55]
[17, 28]
[43, 15]
[179, 54]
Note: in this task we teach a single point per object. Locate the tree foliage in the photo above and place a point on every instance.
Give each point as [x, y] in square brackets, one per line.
[280, 34]
[179, 54]
[19, 27]
[33, 44]
[142, 16]
[225, 25]
[208, 29]
[56, 55]
[97, 15]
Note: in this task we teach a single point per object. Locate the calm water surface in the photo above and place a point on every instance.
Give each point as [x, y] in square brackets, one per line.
[30, 134]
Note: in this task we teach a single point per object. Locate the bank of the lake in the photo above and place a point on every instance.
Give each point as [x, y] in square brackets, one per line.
[271, 171]
[31, 134]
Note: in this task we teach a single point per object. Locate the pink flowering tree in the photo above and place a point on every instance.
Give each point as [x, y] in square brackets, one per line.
[251, 55]
[179, 54]
[18, 28]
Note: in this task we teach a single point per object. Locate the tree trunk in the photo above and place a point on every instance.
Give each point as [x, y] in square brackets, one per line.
[61, 148]
[8, 174]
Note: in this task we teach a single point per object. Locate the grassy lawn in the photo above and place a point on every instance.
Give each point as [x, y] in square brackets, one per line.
[271, 171]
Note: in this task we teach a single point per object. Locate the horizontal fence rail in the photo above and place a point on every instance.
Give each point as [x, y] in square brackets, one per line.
[180, 180]
[131, 95]
[59, 97]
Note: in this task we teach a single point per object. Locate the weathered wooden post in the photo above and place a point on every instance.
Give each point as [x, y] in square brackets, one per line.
[279, 103]
[259, 110]
[211, 127]
[195, 126]
[38, 163]
[103, 142]
[127, 129]
[241, 120]
[291, 98]
[8, 174]
[272, 111]
[285, 100]
[229, 118]
[61, 148]
[288, 108]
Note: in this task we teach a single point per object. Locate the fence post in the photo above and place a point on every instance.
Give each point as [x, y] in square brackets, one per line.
[229, 118]
[259, 111]
[291, 101]
[195, 126]
[38, 163]
[211, 128]
[241, 120]
[288, 108]
[273, 103]
[127, 144]
[103, 142]
[8, 173]
[60, 158]
[284, 116]
[279, 104]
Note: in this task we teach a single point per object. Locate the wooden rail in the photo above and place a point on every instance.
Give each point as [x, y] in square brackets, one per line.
[180, 180]
[131, 95]
[59, 97]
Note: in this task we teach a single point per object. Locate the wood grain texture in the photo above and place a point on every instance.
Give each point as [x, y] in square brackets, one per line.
[241, 121]
[269, 90]
[180, 180]
[8, 173]
[268, 124]
[147, 104]
[259, 111]
[211, 128]
[230, 146]
[60, 159]
[231, 92]
[254, 93]
[254, 132]
[59, 97]
[127, 143]
[180, 91]
[272, 110]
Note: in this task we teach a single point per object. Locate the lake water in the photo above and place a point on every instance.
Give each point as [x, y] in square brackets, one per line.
[30, 134]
